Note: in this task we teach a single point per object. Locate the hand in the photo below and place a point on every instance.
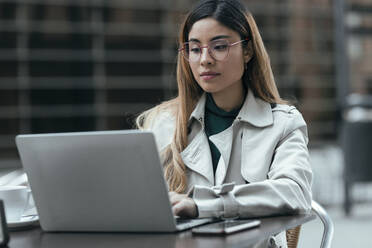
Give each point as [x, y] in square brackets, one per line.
[182, 205]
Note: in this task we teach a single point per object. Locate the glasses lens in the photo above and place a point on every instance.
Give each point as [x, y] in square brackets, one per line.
[185, 50]
[219, 49]
[193, 50]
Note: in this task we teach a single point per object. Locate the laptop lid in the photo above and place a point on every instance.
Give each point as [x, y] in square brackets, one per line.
[97, 181]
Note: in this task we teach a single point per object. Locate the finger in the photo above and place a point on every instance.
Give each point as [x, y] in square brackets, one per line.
[174, 202]
[177, 209]
[181, 208]
[173, 198]
[186, 208]
[176, 198]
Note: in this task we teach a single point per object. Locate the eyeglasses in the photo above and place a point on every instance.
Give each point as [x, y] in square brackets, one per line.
[217, 49]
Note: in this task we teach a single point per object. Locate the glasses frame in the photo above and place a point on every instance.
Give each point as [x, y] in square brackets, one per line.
[183, 49]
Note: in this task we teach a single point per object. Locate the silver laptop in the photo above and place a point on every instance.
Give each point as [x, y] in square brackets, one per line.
[99, 181]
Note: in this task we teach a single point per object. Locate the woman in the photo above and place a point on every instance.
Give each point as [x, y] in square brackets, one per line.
[231, 147]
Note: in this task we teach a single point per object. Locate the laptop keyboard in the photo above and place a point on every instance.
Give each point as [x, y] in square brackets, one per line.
[182, 221]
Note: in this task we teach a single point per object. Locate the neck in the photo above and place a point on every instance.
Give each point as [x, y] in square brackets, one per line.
[230, 98]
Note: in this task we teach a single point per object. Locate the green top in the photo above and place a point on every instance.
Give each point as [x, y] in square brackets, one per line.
[216, 121]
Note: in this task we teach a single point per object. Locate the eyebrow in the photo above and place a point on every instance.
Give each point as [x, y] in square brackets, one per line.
[214, 38]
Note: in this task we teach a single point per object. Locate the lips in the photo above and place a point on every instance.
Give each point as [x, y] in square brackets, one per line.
[209, 75]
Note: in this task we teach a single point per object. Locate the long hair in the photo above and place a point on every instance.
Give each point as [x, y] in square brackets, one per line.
[258, 77]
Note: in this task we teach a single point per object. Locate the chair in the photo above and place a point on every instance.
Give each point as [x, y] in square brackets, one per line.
[293, 234]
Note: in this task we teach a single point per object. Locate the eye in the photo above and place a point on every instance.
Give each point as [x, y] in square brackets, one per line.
[220, 46]
[194, 50]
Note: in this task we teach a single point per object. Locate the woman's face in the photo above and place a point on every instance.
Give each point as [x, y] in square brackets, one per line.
[216, 76]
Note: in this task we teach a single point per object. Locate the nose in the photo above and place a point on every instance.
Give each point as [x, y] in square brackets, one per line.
[205, 57]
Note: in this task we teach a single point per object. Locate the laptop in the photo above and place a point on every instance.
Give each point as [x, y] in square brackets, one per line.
[107, 181]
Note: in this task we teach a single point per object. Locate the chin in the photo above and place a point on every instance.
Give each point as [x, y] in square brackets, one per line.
[209, 88]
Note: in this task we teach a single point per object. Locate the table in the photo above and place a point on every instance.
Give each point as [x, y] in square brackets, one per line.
[269, 226]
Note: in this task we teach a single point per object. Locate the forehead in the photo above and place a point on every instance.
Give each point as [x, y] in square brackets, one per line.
[208, 28]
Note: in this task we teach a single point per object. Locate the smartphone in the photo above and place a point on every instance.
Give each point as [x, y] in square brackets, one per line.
[4, 235]
[226, 227]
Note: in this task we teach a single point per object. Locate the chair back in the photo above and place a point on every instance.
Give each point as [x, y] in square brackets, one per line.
[293, 236]
[294, 233]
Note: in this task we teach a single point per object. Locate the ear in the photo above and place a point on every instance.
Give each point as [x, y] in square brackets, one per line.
[248, 52]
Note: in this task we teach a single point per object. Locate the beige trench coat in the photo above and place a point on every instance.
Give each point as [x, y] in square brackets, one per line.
[264, 165]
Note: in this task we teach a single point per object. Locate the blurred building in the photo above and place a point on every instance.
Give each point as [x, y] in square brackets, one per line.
[87, 65]
[359, 22]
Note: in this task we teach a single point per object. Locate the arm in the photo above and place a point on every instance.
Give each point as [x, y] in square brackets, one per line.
[163, 128]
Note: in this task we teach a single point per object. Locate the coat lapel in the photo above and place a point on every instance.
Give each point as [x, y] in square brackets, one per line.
[223, 142]
[197, 157]
[257, 113]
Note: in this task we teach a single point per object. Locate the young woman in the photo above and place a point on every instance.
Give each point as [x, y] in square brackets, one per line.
[231, 147]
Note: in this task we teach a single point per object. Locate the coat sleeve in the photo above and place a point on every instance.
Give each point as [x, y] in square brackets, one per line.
[287, 189]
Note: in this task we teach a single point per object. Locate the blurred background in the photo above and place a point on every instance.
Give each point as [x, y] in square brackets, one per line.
[83, 65]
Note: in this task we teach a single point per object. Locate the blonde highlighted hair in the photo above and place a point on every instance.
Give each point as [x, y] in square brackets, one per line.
[258, 77]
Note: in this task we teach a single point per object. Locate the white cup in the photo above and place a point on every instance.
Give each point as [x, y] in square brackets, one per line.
[15, 200]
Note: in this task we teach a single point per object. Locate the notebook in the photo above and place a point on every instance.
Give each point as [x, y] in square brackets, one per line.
[107, 181]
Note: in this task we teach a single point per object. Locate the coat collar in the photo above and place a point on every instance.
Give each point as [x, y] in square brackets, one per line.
[199, 110]
[254, 111]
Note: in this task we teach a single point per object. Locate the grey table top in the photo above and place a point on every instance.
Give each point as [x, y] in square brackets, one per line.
[37, 238]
